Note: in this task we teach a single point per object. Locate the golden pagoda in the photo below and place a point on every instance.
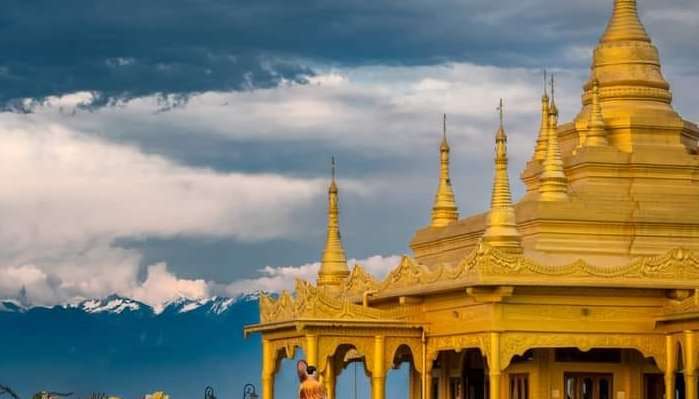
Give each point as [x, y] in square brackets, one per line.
[587, 287]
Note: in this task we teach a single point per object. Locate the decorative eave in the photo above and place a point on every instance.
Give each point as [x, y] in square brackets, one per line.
[313, 303]
[487, 266]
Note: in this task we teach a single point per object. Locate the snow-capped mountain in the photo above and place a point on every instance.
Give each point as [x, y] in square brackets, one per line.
[116, 304]
[111, 304]
[214, 305]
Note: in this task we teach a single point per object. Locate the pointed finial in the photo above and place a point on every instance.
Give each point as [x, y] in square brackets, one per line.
[553, 107]
[500, 110]
[332, 166]
[444, 147]
[501, 227]
[333, 266]
[444, 127]
[553, 181]
[542, 138]
[553, 84]
[596, 134]
[444, 209]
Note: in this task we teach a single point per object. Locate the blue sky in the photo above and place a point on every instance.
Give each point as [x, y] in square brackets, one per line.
[158, 149]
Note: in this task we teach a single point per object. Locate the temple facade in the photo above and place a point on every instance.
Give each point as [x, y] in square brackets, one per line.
[585, 288]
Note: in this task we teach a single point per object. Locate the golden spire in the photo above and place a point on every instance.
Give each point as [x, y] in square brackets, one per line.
[444, 210]
[553, 182]
[596, 134]
[333, 265]
[501, 227]
[541, 141]
[624, 24]
[627, 66]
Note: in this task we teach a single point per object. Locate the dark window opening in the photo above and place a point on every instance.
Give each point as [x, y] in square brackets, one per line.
[527, 356]
[591, 356]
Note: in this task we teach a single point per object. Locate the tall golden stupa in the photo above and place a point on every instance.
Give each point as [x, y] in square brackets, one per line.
[586, 288]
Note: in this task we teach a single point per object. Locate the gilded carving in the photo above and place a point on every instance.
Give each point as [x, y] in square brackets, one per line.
[409, 273]
[487, 261]
[457, 343]
[311, 302]
[481, 264]
[517, 343]
[360, 281]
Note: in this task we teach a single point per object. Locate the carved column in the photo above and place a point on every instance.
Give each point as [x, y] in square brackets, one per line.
[268, 365]
[378, 372]
[670, 365]
[690, 365]
[329, 379]
[494, 366]
[311, 350]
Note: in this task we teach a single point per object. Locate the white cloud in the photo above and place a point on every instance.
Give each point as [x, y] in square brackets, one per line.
[377, 108]
[67, 196]
[69, 187]
[161, 286]
[276, 279]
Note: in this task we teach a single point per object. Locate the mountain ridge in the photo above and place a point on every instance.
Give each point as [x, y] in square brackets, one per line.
[118, 304]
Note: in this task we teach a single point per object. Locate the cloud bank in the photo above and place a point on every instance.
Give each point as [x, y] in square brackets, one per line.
[133, 48]
[67, 196]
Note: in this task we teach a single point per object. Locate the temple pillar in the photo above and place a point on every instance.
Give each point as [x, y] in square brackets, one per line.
[311, 350]
[330, 378]
[670, 366]
[690, 366]
[427, 380]
[415, 391]
[378, 371]
[494, 372]
[426, 375]
[268, 365]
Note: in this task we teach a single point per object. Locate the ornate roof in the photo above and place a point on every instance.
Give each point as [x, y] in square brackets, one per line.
[487, 266]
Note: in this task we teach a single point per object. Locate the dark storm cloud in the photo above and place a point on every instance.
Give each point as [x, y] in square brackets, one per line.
[130, 48]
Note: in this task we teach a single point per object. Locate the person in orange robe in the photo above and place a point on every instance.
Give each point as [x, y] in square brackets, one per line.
[309, 386]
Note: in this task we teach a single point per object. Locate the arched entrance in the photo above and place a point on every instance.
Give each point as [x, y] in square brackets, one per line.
[402, 378]
[352, 381]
